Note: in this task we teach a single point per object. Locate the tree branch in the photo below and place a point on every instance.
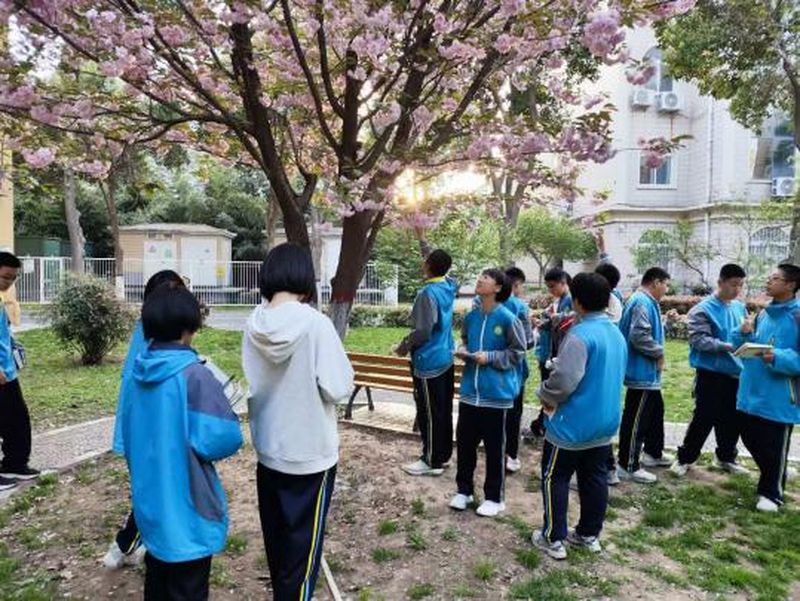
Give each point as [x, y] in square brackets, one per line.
[312, 85]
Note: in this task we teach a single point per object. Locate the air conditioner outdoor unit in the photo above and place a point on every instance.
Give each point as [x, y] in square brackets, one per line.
[783, 186]
[642, 98]
[669, 102]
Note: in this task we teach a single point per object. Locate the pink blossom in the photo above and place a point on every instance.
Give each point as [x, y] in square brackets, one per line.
[676, 7]
[39, 159]
[387, 117]
[23, 97]
[504, 43]
[449, 104]
[653, 160]
[480, 148]
[96, 169]
[640, 76]
[592, 101]
[603, 33]
[43, 114]
[174, 35]
[441, 25]
[422, 118]
[511, 8]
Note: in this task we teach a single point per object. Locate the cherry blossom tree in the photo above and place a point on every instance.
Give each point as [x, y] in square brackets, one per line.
[342, 93]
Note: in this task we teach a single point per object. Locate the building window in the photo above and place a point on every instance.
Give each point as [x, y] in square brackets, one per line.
[661, 80]
[773, 153]
[652, 250]
[661, 176]
[770, 243]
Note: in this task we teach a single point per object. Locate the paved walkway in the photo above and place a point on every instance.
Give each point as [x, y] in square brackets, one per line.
[227, 319]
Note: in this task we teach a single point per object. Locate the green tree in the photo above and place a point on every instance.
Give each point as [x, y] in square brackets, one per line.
[660, 248]
[747, 51]
[549, 238]
[470, 236]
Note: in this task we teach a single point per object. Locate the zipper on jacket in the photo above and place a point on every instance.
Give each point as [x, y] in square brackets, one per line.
[478, 366]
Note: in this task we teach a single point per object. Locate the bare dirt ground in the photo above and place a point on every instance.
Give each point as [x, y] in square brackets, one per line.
[389, 536]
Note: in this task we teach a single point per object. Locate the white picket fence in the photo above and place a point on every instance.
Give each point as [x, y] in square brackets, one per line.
[213, 282]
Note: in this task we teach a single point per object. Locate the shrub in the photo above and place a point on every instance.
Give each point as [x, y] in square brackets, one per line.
[87, 317]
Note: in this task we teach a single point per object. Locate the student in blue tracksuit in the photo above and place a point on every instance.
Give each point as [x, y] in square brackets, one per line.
[520, 309]
[614, 312]
[643, 416]
[713, 324]
[15, 421]
[581, 402]
[431, 346]
[769, 387]
[557, 282]
[493, 344]
[127, 546]
[176, 422]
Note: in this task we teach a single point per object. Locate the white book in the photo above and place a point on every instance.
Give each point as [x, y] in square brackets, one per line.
[751, 349]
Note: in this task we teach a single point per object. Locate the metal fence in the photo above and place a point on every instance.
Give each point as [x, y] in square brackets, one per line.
[213, 282]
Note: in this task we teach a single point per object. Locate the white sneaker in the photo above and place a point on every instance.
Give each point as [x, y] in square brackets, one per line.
[420, 468]
[664, 461]
[114, 558]
[590, 542]
[765, 504]
[460, 502]
[679, 469]
[490, 509]
[573, 482]
[555, 550]
[513, 465]
[137, 557]
[641, 476]
[613, 477]
[731, 467]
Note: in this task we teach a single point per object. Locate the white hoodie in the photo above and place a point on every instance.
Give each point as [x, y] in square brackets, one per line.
[297, 370]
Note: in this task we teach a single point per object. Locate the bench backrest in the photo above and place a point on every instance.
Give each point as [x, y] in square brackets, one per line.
[386, 371]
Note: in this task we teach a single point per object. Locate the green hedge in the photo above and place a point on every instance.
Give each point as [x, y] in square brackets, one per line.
[399, 317]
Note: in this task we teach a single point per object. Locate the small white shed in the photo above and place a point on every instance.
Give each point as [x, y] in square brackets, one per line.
[200, 252]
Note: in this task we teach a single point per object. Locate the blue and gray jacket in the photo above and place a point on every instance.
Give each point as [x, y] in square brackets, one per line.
[6, 353]
[520, 310]
[543, 348]
[772, 391]
[585, 385]
[136, 345]
[176, 422]
[712, 323]
[642, 328]
[500, 335]
[431, 341]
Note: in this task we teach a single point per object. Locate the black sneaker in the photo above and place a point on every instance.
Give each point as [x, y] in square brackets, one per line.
[23, 473]
[7, 483]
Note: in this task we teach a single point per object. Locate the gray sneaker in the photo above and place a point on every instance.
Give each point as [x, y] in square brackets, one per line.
[590, 542]
[420, 468]
[731, 467]
[555, 550]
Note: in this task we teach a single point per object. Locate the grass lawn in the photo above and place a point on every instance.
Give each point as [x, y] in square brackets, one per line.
[60, 391]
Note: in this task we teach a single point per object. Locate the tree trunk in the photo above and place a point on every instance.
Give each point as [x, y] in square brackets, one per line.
[271, 220]
[794, 236]
[358, 237]
[73, 216]
[110, 195]
[316, 243]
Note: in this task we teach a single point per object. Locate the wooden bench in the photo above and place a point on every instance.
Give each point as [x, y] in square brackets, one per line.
[384, 372]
